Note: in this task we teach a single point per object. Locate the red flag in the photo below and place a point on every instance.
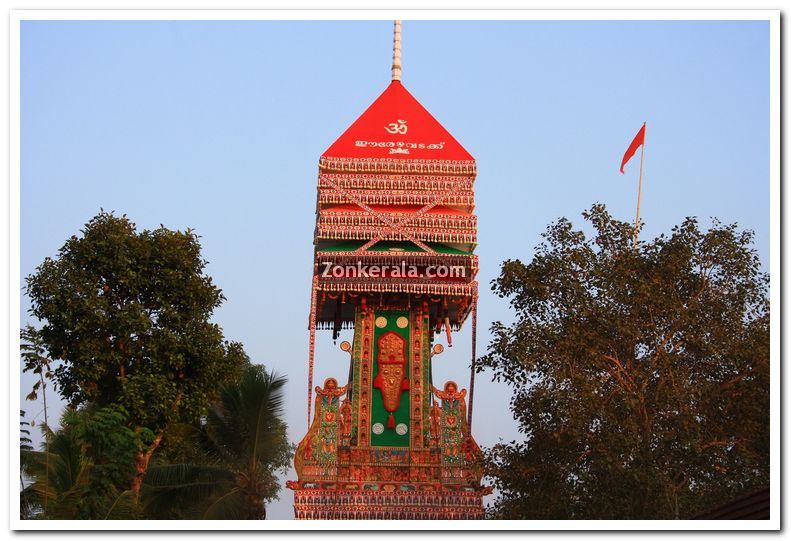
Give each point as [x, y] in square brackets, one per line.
[638, 140]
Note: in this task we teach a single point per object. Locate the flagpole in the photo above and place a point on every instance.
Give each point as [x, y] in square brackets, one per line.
[639, 190]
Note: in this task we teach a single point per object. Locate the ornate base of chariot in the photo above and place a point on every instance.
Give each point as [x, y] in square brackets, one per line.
[386, 501]
[388, 444]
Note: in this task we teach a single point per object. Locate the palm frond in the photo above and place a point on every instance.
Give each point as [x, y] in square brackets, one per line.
[124, 507]
[176, 490]
[230, 505]
[270, 393]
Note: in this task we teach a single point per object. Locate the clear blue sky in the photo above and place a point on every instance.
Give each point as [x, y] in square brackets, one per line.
[218, 126]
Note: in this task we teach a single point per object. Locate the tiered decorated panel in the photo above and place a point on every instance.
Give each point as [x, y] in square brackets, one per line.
[396, 192]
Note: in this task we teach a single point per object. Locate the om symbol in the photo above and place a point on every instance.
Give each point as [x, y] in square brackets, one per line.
[396, 127]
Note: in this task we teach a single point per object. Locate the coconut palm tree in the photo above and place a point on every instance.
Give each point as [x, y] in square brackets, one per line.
[26, 459]
[243, 438]
[66, 483]
[57, 476]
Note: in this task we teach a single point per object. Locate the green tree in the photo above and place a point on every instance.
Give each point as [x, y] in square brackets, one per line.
[126, 318]
[26, 460]
[640, 373]
[89, 457]
[244, 442]
[35, 361]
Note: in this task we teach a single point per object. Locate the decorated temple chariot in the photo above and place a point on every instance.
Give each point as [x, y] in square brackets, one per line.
[394, 240]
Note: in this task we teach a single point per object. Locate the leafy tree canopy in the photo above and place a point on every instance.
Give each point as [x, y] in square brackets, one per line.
[640, 374]
[126, 318]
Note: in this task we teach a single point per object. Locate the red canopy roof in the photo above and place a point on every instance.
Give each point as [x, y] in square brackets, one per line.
[396, 126]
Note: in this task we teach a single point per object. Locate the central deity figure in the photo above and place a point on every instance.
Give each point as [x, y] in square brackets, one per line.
[391, 379]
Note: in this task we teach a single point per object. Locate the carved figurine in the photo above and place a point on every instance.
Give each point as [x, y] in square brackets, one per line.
[450, 392]
[434, 417]
[331, 389]
[346, 421]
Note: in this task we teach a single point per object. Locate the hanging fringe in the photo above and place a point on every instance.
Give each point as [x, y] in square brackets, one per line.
[312, 345]
[391, 422]
[474, 316]
[332, 325]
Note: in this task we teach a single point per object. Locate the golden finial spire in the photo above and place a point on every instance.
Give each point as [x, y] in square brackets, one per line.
[397, 51]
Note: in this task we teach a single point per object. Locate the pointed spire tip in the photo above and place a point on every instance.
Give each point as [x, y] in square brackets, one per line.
[396, 69]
